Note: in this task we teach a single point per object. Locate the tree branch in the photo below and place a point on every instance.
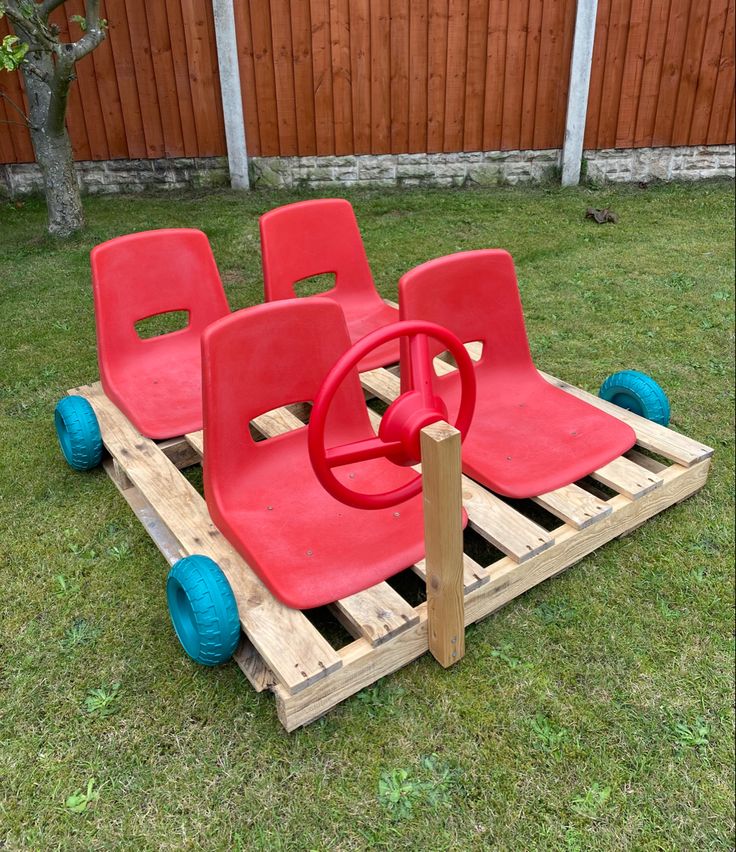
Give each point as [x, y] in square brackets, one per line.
[95, 32]
[17, 109]
[48, 6]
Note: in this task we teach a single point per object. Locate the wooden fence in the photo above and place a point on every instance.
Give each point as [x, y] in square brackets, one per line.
[393, 76]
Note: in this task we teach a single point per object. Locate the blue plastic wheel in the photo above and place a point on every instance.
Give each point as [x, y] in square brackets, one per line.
[639, 393]
[78, 432]
[203, 610]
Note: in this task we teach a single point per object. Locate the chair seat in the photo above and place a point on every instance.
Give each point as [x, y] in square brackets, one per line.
[529, 437]
[376, 316]
[307, 547]
[161, 395]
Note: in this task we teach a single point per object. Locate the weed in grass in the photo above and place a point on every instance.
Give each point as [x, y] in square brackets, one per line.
[402, 794]
[383, 698]
[102, 701]
[119, 551]
[80, 799]
[666, 611]
[66, 586]
[555, 612]
[692, 736]
[80, 633]
[502, 653]
[548, 734]
[591, 804]
[699, 575]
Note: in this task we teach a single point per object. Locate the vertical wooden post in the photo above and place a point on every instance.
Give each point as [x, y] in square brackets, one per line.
[443, 535]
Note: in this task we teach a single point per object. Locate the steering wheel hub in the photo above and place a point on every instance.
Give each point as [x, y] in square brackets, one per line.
[403, 423]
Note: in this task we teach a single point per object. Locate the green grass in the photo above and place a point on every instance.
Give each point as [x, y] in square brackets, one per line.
[595, 712]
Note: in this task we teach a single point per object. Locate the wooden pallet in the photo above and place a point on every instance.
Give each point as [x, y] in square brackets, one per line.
[283, 651]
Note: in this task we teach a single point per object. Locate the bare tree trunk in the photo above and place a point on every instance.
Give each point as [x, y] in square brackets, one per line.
[53, 148]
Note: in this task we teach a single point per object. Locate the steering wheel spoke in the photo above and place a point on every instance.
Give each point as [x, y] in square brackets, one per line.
[358, 451]
[421, 371]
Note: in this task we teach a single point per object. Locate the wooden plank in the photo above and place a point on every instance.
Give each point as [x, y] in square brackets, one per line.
[553, 69]
[246, 65]
[89, 96]
[16, 107]
[377, 614]
[179, 452]
[165, 79]
[568, 32]
[618, 32]
[513, 88]
[475, 75]
[306, 656]
[574, 505]
[505, 528]
[457, 47]
[718, 126]
[645, 461]
[283, 70]
[183, 92]
[399, 40]
[260, 33]
[203, 75]
[322, 77]
[691, 60]
[708, 73]
[363, 665]
[597, 74]
[650, 435]
[418, 75]
[301, 41]
[251, 664]
[145, 78]
[531, 75]
[627, 478]
[651, 73]
[498, 12]
[443, 537]
[360, 70]
[632, 72]
[342, 100]
[124, 71]
[437, 69]
[473, 574]
[380, 77]
[674, 48]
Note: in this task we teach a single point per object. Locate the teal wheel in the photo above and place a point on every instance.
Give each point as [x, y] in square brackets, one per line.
[78, 432]
[203, 610]
[639, 393]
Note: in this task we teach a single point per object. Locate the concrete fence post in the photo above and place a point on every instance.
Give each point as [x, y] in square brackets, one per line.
[232, 103]
[577, 98]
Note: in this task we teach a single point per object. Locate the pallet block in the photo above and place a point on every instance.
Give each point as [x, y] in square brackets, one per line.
[283, 651]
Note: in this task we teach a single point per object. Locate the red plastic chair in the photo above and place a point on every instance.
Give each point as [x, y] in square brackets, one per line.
[527, 436]
[307, 547]
[316, 237]
[156, 383]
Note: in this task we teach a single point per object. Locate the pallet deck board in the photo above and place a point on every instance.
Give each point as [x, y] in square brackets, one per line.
[282, 651]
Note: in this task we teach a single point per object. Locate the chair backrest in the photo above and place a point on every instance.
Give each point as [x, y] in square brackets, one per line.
[311, 238]
[263, 358]
[142, 275]
[475, 294]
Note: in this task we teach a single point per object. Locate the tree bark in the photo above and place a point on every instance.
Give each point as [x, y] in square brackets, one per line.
[53, 151]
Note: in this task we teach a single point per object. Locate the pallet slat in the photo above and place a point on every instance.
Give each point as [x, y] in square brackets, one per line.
[627, 478]
[474, 575]
[307, 656]
[649, 435]
[574, 506]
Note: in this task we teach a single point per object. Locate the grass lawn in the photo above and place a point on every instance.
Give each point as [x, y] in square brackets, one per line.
[595, 712]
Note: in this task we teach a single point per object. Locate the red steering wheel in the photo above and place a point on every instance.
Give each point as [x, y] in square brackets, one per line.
[399, 434]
